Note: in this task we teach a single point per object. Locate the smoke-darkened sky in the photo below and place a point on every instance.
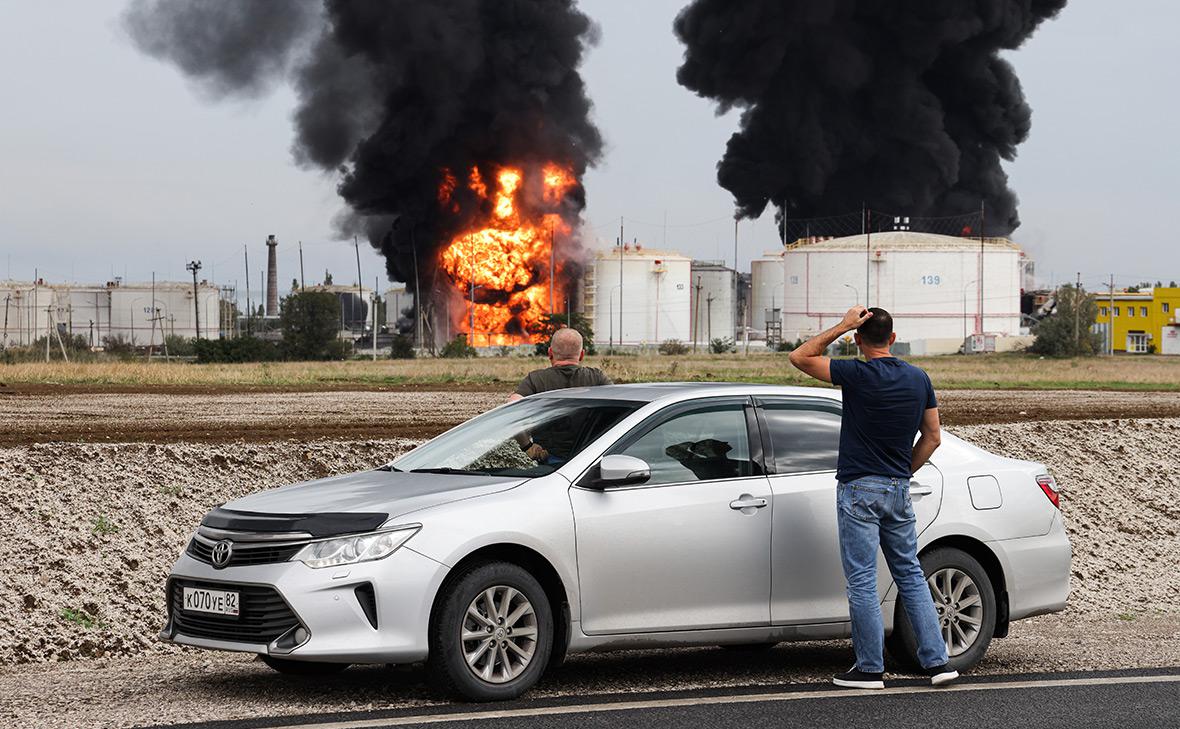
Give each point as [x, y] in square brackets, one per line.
[115, 165]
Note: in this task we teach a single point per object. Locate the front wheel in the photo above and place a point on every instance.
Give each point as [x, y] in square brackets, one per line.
[492, 633]
[966, 605]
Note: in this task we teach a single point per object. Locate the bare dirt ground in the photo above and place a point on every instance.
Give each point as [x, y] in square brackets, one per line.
[41, 414]
[91, 529]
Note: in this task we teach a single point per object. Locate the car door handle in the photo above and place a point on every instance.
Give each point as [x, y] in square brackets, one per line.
[919, 489]
[747, 502]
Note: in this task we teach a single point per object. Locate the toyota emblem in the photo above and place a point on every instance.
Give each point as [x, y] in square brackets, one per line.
[222, 552]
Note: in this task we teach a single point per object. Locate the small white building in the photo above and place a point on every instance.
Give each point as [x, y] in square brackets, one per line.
[637, 296]
[931, 284]
[141, 314]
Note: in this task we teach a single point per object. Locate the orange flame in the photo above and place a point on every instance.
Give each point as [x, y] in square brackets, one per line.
[506, 254]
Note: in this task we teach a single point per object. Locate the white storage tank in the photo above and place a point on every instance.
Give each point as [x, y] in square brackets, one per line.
[766, 288]
[131, 312]
[399, 304]
[714, 302]
[650, 304]
[929, 283]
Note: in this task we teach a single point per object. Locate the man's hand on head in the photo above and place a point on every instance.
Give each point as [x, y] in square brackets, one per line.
[854, 317]
[809, 357]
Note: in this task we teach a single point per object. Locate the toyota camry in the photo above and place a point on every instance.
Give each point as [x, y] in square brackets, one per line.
[615, 517]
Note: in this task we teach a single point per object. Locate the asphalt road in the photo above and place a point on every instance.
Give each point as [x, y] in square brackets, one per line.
[1132, 699]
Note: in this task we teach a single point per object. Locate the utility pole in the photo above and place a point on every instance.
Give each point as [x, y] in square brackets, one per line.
[696, 314]
[376, 283]
[1110, 311]
[360, 290]
[709, 314]
[301, 282]
[194, 266]
[552, 265]
[249, 312]
[982, 221]
[735, 245]
[1077, 316]
[610, 322]
[620, 283]
[5, 343]
[51, 328]
[417, 288]
[471, 338]
[868, 251]
[152, 335]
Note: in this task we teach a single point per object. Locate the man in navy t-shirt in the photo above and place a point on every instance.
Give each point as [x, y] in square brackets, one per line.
[886, 402]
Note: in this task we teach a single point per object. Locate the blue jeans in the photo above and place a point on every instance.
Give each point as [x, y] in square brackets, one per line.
[876, 511]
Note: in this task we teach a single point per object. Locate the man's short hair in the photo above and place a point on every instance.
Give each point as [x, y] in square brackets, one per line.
[875, 332]
[566, 344]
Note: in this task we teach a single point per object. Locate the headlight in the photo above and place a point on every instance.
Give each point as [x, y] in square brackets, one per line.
[350, 550]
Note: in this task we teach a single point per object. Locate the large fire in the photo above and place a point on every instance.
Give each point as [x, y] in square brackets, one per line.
[500, 264]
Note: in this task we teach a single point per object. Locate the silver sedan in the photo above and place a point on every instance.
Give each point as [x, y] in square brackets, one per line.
[618, 517]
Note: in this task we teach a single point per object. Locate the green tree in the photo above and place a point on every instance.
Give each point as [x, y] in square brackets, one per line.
[178, 346]
[550, 323]
[457, 348]
[722, 345]
[310, 322]
[1062, 334]
[402, 347]
[673, 347]
[238, 349]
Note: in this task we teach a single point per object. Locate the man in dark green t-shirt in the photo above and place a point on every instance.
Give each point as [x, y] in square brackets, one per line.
[565, 370]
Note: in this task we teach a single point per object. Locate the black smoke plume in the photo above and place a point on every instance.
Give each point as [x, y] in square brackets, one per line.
[393, 92]
[902, 105]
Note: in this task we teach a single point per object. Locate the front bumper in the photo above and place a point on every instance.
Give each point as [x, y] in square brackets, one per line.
[325, 604]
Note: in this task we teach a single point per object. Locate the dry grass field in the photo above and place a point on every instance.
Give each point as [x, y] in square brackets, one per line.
[1008, 371]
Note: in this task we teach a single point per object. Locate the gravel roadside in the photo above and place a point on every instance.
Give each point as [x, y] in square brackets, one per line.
[93, 528]
[162, 417]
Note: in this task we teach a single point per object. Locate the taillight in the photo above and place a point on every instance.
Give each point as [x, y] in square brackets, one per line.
[1049, 486]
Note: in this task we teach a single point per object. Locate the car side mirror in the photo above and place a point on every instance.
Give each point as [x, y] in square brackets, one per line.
[618, 470]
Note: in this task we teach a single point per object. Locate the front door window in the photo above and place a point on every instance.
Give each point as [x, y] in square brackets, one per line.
[699, 445]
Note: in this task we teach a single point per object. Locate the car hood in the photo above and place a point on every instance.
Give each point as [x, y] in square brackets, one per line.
[370, 493]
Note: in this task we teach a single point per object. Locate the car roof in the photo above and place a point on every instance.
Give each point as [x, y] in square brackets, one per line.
[672, 391]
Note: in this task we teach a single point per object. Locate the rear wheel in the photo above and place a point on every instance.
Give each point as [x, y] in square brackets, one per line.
[492, 633]
[302, 668]
[966, 605]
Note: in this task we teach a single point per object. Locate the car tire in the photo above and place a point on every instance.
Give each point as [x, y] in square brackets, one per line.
[302, 668]
[468, 669]
[956, 564]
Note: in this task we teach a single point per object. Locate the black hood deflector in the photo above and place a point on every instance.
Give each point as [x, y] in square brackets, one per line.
[326, 524]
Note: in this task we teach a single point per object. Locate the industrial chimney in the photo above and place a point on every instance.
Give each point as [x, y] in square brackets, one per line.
[272, 277]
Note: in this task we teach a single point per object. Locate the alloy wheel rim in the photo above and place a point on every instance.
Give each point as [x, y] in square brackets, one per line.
[499, 634]
[960, 608]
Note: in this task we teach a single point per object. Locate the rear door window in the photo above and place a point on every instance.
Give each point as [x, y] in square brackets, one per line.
[804, 436]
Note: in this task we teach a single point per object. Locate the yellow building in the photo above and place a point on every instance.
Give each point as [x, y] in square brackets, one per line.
[1144, 321]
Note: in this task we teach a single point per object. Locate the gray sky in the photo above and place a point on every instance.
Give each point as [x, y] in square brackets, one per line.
[112, 164]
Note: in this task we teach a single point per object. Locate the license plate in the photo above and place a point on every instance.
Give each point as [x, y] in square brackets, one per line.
[218, 602]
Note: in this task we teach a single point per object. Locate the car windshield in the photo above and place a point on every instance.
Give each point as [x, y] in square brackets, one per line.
[531, 437]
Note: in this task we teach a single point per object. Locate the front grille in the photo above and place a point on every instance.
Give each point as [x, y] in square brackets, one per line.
[244, 553]
[263, 615]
